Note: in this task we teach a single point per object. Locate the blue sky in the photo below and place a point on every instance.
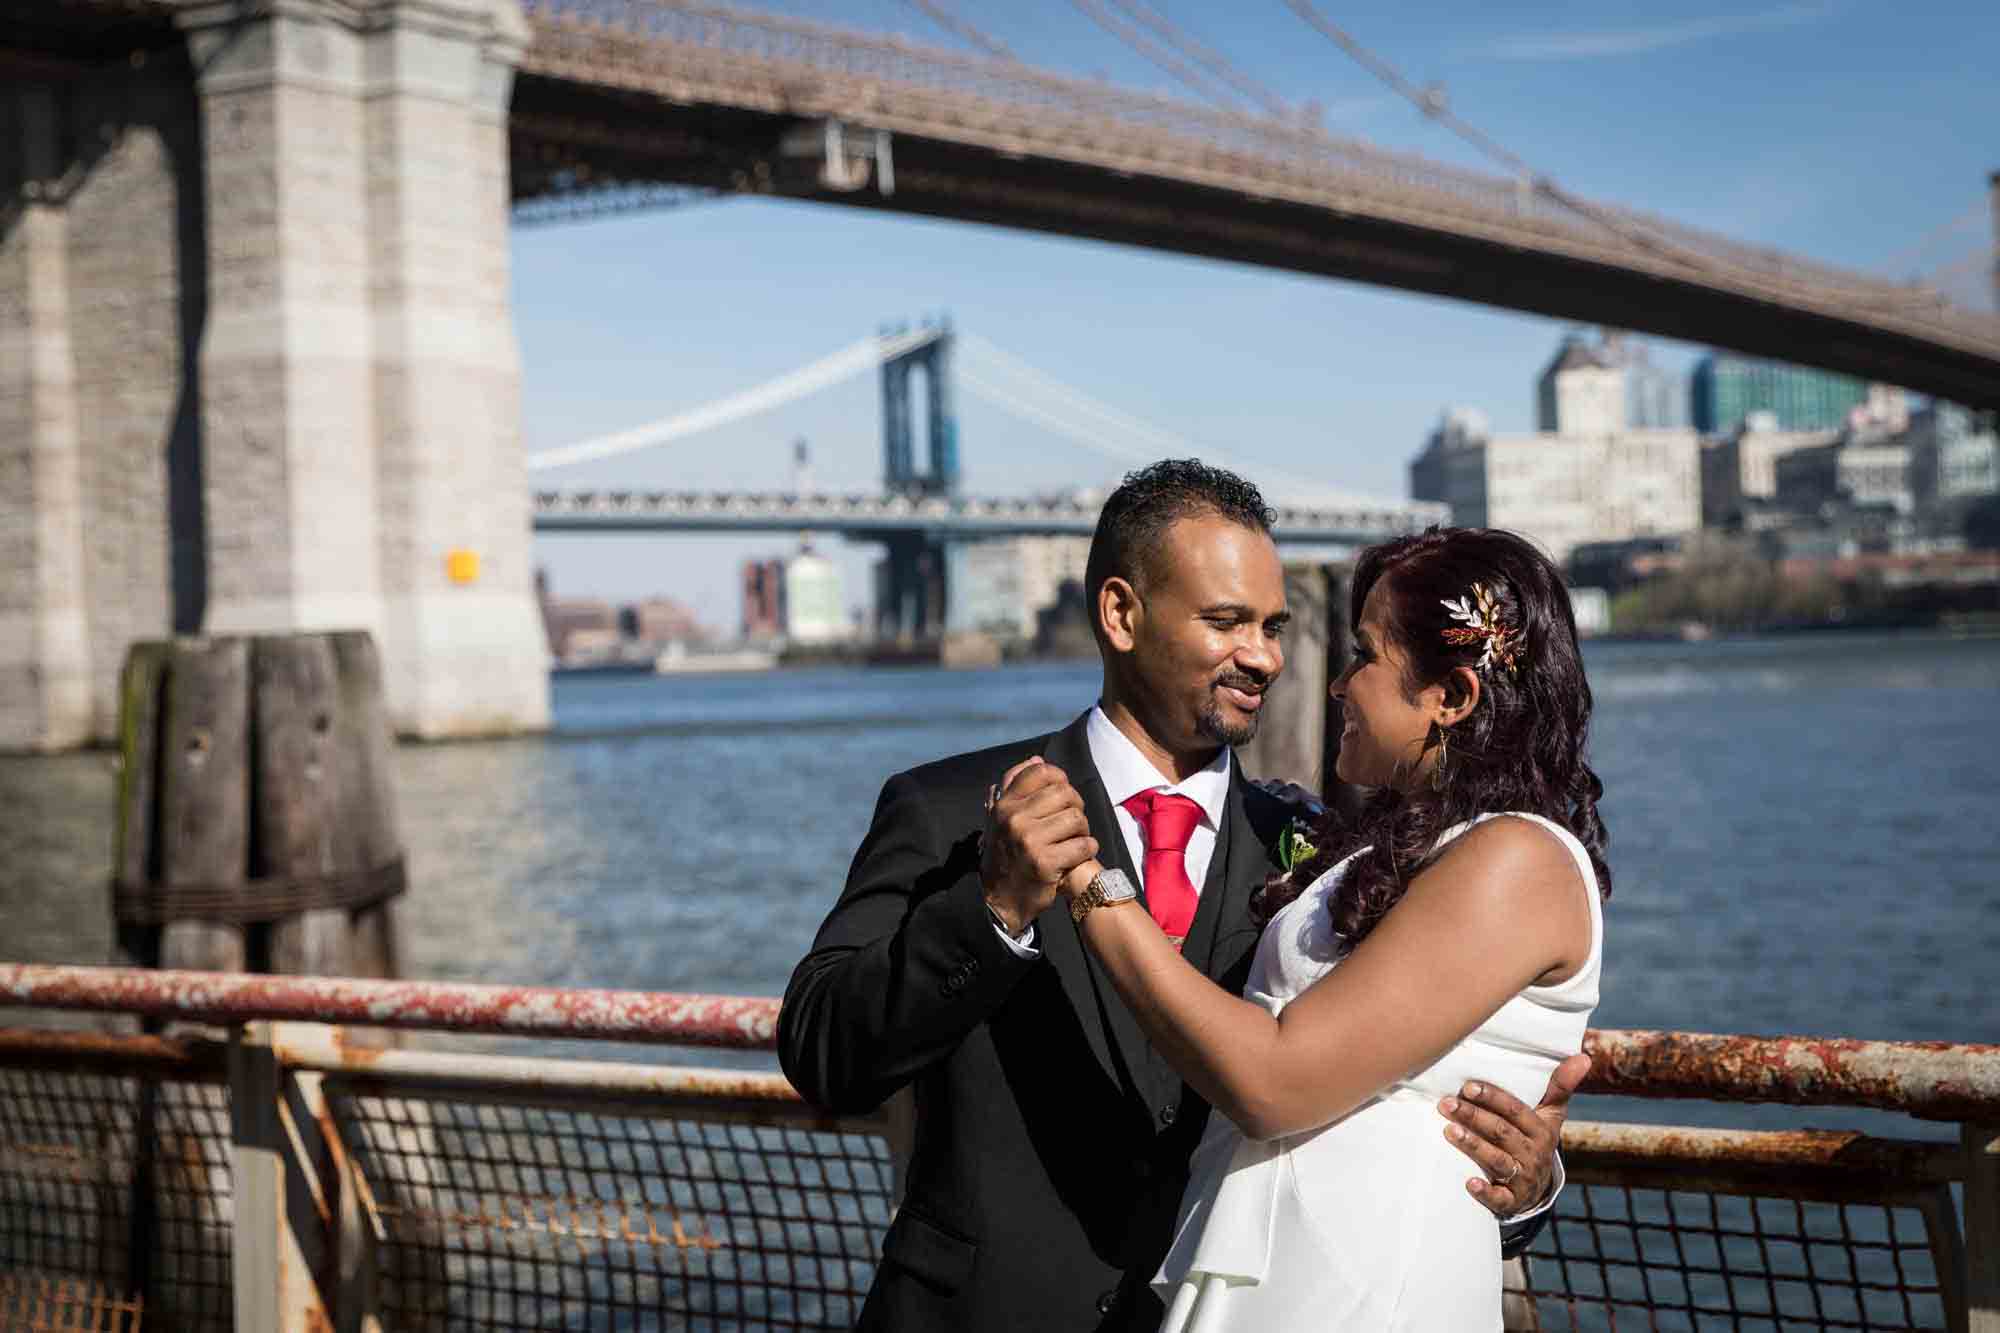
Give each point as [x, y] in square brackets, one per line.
[1845, 131]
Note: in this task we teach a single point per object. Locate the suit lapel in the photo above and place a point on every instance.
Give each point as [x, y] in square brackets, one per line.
[1126, 1054]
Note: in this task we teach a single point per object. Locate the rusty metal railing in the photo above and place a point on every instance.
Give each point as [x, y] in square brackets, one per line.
[434, 1190]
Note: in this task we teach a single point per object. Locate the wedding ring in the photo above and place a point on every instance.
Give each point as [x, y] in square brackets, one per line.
[1508, 1179]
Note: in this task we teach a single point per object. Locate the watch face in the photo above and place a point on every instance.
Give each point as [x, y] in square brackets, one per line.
[1114, 886]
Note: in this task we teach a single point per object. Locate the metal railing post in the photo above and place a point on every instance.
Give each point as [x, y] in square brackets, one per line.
[272, 1272]
[1982, 1226]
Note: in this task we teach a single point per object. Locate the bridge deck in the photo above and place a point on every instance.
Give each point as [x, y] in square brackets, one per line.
[634, 91]
[938, 516]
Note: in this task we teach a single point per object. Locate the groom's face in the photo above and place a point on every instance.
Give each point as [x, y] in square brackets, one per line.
[1207, 640]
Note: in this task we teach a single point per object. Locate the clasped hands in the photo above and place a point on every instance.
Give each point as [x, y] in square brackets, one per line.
[1037, 843]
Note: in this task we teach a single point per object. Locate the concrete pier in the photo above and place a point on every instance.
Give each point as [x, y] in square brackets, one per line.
[258, 371]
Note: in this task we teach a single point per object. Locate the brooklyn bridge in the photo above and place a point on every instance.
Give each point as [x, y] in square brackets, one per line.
[260, 371]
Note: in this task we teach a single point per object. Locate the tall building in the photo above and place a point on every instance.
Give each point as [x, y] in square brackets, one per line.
[1725, 389]
[1655, 398]
[1582, 390]
[813, 610]
[763, 599]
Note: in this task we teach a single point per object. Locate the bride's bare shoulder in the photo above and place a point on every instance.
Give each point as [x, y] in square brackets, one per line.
[1516, 860]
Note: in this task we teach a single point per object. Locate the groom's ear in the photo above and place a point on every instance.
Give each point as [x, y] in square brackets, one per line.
[1119, 613]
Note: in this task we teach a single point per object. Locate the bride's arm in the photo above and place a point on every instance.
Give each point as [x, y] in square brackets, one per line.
[1498, 911]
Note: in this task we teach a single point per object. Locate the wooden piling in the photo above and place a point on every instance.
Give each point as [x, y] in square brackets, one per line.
[366, 749]
[204, 794]
[256, 825]
[1298, 739]
[298, 795]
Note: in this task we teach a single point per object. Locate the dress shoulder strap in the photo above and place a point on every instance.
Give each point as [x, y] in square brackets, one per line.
[1587, 974]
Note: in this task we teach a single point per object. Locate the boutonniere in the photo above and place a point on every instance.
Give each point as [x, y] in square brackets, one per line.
[1294, 848]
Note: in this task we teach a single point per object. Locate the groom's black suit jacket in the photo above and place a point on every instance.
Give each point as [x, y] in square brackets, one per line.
[1051, 1143]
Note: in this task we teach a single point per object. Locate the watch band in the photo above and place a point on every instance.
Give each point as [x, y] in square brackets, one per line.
[1111, 887]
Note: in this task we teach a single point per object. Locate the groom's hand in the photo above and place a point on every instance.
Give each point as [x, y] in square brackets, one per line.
[1514, 1146]
[1036, 833]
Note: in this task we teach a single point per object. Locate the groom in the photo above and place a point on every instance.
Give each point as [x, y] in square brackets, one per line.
[1051, 1142]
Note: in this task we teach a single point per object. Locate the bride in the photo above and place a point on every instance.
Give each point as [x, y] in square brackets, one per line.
[1452, 933]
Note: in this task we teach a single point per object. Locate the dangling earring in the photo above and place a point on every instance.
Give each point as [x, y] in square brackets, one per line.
[1444, 754]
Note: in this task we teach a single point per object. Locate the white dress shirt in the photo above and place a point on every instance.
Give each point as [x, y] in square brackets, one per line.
[1125, 773]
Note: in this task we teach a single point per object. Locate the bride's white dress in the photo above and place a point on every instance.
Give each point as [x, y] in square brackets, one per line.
[1364, 1224]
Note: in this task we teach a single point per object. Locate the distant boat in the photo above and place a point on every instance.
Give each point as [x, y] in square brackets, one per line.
[607, 666]
[679, 658]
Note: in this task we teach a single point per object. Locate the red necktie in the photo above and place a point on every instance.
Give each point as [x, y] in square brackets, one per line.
[1168, 822]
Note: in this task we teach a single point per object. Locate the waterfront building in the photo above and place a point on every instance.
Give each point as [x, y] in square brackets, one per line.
[812, 609]
[572, 625]
[1725, 389]
[763, 584]
[659, 620]
[1869, 472]
[1741, 469]
[1565, 489]
[1000, 585]
[1955, 455]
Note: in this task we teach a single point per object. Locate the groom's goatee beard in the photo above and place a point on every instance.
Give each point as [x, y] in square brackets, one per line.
[1212, 725]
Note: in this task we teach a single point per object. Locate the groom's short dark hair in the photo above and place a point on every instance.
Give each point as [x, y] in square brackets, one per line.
[1131, 531]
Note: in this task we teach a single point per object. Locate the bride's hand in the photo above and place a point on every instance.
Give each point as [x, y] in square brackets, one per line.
[1077, 880]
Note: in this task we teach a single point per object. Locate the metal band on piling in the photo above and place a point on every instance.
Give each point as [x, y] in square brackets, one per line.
[250, 901]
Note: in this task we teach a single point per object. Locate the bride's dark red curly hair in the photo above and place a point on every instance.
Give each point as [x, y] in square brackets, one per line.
[1521, 748]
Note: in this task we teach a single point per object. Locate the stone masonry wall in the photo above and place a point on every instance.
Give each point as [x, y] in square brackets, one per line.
[92, 360]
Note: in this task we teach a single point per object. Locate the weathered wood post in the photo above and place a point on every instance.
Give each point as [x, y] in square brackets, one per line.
[256, 831]
[1298, 739]
[256, 824]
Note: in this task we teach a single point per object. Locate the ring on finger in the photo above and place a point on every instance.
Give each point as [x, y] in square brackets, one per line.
[1513, 1170]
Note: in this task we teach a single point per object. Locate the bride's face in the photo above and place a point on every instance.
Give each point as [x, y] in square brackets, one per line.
[1383, 728]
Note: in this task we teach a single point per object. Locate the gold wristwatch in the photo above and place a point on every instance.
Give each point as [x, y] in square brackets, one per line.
[1109, 888]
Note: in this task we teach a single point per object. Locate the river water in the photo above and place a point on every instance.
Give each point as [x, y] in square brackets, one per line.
[1804, 835]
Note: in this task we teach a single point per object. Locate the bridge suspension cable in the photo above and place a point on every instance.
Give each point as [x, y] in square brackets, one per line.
[1012, 384]
[1123, 30]
[1910, 254]
[955, 24]
[1207, 57]
[828, 370]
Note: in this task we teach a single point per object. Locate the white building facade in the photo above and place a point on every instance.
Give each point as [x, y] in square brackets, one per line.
[1562, 490]
[813, 609]
[998, 584]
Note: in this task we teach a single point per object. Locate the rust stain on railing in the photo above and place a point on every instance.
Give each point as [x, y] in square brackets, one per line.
[732, 1021]
[1935, 1080]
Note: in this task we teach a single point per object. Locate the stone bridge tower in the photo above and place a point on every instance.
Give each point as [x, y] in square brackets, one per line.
[258, 370]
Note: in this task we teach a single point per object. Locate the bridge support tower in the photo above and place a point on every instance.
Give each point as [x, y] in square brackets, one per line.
[910, 588]
[267, 367]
